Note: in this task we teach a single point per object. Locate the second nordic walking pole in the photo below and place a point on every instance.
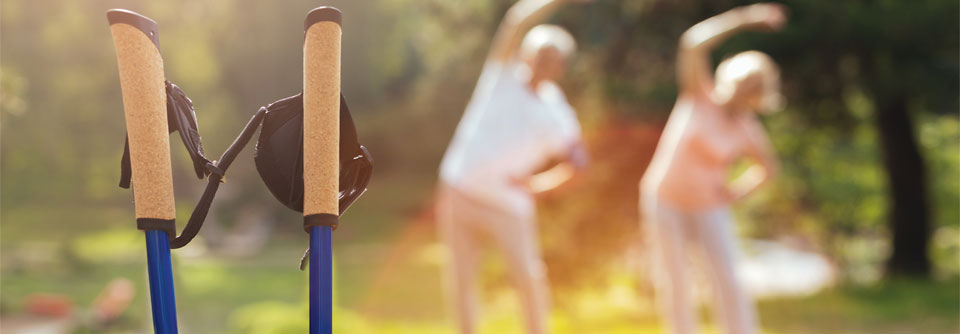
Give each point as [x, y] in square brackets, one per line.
[144, 105]
[321, 155]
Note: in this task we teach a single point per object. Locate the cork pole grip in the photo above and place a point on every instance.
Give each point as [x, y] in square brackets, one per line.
[321, 111]
[144, 105]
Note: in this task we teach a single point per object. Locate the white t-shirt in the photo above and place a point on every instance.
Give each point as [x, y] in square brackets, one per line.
[508, 131]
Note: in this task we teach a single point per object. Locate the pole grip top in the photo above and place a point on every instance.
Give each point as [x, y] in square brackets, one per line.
[142, 23]
[320, 14]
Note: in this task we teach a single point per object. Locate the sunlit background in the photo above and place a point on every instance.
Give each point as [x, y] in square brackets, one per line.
[870, 141]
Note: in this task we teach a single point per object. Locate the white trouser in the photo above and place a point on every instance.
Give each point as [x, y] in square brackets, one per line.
[709, 234]
[462, 221]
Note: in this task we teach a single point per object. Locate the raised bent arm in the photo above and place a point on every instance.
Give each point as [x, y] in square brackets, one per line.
[694, 72]
[522, 16]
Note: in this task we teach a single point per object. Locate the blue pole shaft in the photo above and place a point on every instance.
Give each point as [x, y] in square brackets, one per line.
[160, 270]
[321, 280]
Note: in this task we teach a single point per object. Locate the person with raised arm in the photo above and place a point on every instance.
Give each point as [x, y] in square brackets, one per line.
[686, 192]
[518, 137]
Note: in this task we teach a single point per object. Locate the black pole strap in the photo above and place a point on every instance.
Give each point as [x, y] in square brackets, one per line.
[181, 118]
[217, 171]
[125, 170]
[356, 163]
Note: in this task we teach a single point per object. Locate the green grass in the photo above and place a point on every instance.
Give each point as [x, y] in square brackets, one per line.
[388, 281]
[900, 306]
[266, 294]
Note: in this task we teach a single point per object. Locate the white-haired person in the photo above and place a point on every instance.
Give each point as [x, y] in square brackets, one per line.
[687, 191]
[518, 137]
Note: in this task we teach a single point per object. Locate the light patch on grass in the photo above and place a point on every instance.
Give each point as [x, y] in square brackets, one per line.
[121, 244]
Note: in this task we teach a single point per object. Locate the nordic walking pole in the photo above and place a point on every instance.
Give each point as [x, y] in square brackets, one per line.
[144, 105]
[321, 155]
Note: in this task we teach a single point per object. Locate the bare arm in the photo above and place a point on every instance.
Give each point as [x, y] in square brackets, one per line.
[761, 151]
[694, 72]
[560, 172]
[552, 178]
[522, 16]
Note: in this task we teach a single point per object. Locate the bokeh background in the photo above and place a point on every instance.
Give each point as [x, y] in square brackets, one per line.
[870, 144]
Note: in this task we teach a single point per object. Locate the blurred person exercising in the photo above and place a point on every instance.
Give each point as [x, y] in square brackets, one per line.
[518, 137]
[685, 193]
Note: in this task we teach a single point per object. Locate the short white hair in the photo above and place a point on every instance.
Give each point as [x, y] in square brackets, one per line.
[750, 66]
[548, 36]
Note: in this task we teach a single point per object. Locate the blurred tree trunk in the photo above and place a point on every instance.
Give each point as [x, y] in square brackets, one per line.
[908, 215]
